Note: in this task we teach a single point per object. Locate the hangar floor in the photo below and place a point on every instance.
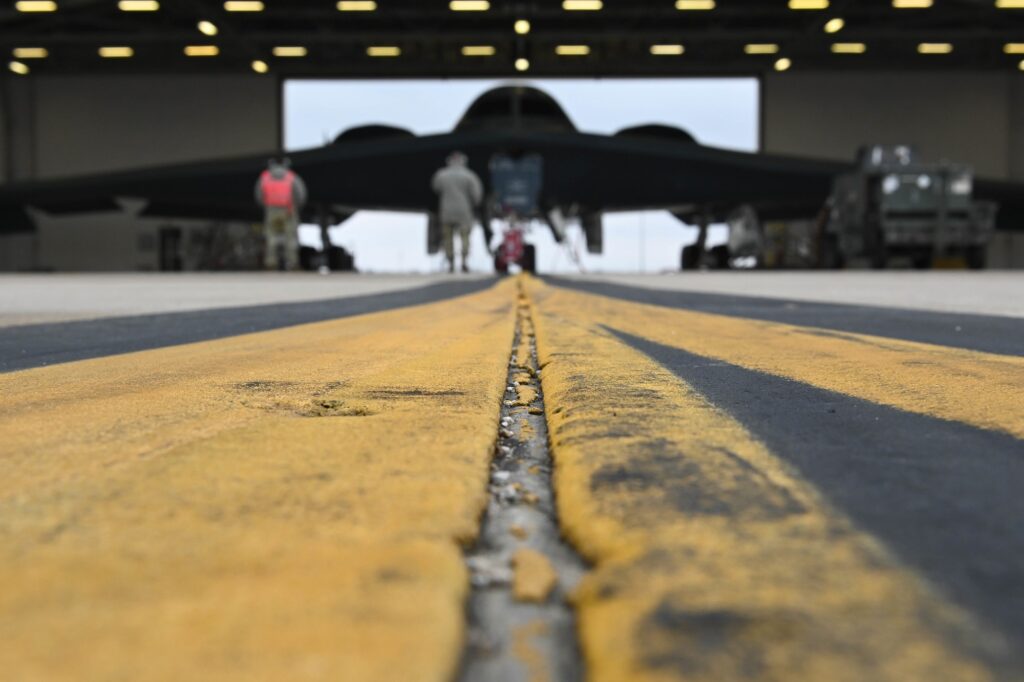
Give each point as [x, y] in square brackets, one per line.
[33, 299]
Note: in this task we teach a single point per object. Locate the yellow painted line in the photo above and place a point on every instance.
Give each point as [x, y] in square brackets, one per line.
[981, 389]
[285, 505]
[711, 559]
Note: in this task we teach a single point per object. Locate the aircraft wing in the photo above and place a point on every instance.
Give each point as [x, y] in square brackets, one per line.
[594, 172]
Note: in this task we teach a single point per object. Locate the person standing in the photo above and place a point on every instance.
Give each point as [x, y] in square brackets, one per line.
[460, 192]
[281, 193]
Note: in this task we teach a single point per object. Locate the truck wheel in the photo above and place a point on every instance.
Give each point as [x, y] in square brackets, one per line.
[976, 257]
[831, 256]
[528, 261]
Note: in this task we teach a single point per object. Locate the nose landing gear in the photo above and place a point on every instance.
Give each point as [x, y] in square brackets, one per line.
[514, 250]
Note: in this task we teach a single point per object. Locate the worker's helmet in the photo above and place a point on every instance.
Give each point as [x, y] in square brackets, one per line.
[457, 158]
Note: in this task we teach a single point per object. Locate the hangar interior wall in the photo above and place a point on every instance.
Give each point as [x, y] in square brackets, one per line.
[72, 125]
[976, 118]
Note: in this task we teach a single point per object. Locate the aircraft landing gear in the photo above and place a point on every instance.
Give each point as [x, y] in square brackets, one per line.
[514, 250]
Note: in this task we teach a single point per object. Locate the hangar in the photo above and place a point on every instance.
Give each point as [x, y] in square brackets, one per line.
[100, 85]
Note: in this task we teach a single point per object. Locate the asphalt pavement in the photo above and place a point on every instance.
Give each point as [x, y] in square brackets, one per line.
[761, 487]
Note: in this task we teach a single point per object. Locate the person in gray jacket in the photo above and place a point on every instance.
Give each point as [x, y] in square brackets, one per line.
[460, 193]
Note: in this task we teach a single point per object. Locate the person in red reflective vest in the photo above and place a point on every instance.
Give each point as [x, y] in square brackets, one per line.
[281, 193]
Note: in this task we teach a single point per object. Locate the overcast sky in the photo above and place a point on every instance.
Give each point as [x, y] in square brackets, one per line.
[719, 112]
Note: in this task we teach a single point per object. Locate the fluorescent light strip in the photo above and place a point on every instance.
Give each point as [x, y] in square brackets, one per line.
[695, 5]
[116, 52]
[808, 4]
[911, 4]
[260, 66]
[35, 6]
[207, 28]
[19, 68]
[572, 50]
[849, 48]
[30, 53]
[290, 51]
[667, 50]
[243, 6]
[138, 5]
[357, 6]
[478, 51]
[761, 48]
[1008, 48]
[582, 5]
[1009, 4]
[783, 64]
[469, 5]
[384, 51]
[935, 48]
[201, 50]
[834, 25]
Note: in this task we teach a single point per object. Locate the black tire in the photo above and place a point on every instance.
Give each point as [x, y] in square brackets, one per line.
[528, 261]
[500, 266]
[689, 258]
[976, 257]
[879, 258]
[719, 257]
[831, 257]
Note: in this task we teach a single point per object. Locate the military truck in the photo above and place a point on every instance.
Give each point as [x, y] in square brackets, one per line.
[894, 205]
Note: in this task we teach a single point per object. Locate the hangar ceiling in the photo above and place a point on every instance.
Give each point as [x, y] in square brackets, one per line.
[438, 38]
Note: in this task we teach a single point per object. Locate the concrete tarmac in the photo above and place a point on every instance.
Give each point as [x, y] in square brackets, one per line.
[771, 476]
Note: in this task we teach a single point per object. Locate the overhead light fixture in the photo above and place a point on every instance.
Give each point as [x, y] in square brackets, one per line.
[1021, 65]
[783, 64]
[207, 28]
[935, 48]
[469, 5]
[138, 5]
[834, 25]
[35, 6]
[357, 6]
[116, 52]
[243, 6]
[478, 50]
[667, 50]
[572, 50]
[201, 50]
[19, 68]
[808, 4]
[1008, 48]
[522, 27]
[1009, 4]
[695, 4]
[260, 66]
[761, 48]
[582, 5]
[30, 53]
[290, 51]
[522, 64]
[912, 4]
[849, 48]
[384, 51]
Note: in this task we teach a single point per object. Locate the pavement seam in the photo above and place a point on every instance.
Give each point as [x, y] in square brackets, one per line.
[520, 624]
